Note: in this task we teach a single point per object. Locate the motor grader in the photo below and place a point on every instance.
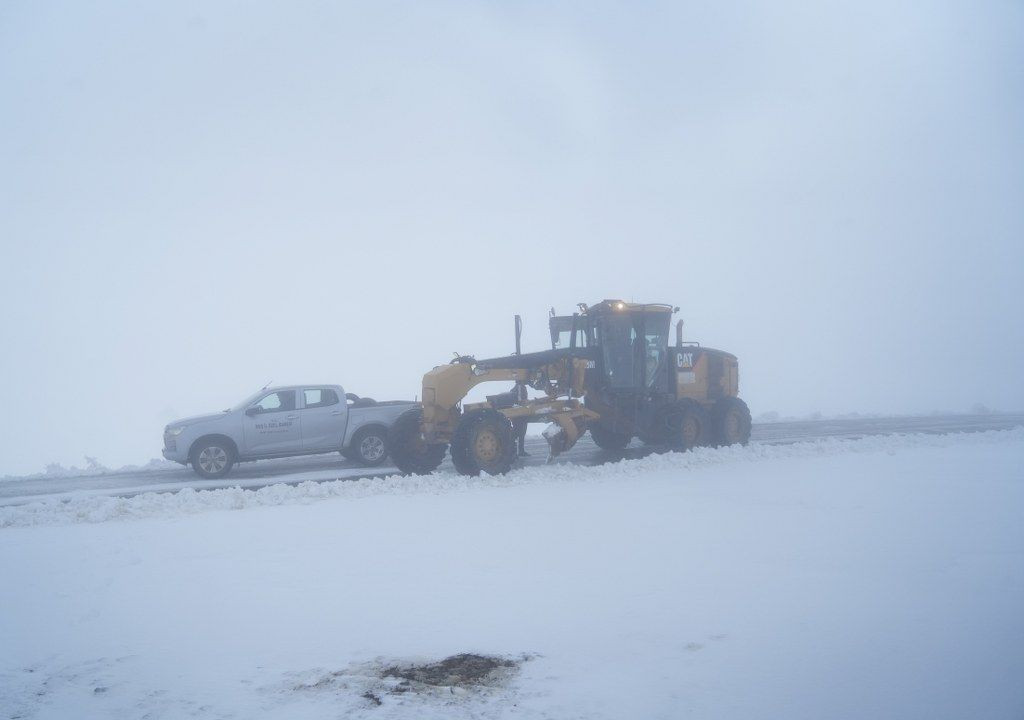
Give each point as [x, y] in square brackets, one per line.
[611, 370]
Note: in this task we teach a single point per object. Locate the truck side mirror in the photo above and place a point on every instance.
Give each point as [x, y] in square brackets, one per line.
[252, 411]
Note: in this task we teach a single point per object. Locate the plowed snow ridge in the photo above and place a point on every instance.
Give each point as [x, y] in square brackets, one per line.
[189, 501]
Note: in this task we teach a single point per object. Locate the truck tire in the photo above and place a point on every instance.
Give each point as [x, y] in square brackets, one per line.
[609, 439]
[212, 458]
[691, 425]
[408, 451]
[483, 442]
[731, 422]
[369, 446]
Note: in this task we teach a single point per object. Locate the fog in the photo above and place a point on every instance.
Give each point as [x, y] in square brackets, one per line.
[196, 200]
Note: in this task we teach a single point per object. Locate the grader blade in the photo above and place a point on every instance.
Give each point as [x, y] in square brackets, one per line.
[562, 434]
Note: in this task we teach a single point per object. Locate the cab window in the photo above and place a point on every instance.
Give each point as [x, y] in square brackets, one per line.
[561, 332]
[618, 338]
[277, 402]
[319, 397]
[655, 349]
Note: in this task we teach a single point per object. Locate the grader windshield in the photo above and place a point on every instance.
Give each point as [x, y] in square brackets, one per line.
[634, 348]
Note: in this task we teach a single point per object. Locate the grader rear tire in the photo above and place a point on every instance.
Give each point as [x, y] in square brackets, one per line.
[691, 426]
[483, 442]
[731, 421]
[609, 439]
[409, 452]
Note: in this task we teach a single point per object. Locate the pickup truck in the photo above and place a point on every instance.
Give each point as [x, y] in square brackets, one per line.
[281, 422]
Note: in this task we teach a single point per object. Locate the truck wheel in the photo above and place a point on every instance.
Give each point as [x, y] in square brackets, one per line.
[691, 426]
[731, 422]
[212, 459]
[609, 439]
[483, 441]
[410, 453]
[369, 446]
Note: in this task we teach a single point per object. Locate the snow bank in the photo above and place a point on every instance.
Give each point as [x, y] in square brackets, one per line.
[93, 468]
[772, 417]
[189, 501]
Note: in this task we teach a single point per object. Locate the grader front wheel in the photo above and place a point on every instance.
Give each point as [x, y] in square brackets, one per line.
[483, 442]
[410, 453]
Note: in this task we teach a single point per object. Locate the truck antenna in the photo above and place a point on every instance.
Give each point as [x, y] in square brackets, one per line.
[266, 386]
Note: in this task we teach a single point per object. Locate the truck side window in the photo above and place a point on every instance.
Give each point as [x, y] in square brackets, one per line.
[320, 397]
[277, 402]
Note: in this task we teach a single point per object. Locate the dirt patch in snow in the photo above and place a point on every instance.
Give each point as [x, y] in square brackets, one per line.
[463, 670]
[463, 678]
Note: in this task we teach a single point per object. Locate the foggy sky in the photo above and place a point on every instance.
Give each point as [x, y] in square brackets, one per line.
[198, 198]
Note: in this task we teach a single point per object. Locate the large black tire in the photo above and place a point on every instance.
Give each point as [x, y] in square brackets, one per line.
[369, 446]
[212, 458]
[609, 439]
[407, 448]
[731, 422]
[691, 425]
[483, 442]
[657, 431]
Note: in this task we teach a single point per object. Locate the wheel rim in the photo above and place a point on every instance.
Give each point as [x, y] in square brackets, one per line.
[732, 426]
[372, 448]
[691, 431]
[485, 447]
[213, 459]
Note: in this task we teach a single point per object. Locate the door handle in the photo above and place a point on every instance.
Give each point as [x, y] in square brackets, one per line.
[291, 417]
[335, 412]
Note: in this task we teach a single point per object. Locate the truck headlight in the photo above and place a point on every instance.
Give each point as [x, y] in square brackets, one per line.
[174, 432]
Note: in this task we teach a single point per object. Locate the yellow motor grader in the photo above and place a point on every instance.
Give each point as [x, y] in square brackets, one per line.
[611, 370]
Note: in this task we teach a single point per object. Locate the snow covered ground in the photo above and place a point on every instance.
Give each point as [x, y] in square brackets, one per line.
[872, 578]
[61, 484]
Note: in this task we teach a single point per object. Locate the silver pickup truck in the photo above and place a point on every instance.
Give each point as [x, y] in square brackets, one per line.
[284, 421]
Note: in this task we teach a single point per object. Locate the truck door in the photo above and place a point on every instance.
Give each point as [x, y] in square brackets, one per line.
[272, 425]
[324, 415]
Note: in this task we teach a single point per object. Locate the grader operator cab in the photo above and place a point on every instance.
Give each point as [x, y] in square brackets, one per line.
[611, 370]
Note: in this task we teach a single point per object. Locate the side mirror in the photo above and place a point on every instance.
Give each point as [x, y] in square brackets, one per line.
[251, 411]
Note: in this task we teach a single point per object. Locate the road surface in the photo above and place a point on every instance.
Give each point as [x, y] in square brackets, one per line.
[319, 468]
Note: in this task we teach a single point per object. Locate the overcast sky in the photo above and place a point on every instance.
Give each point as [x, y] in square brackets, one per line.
[198, 198]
